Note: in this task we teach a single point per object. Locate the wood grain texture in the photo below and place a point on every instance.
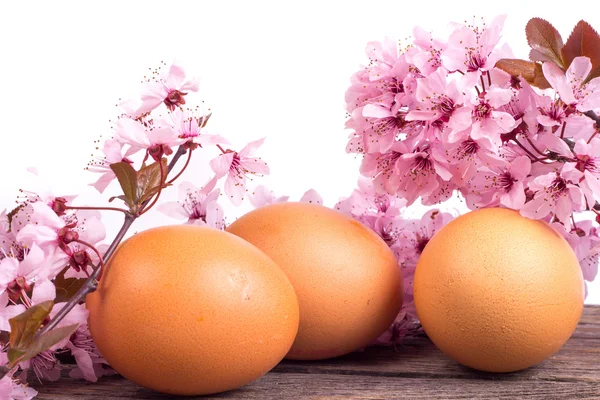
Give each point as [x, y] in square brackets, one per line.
[416, 370]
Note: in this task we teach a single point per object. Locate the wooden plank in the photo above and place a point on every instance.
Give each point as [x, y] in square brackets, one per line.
[327, 386]
[415, 370]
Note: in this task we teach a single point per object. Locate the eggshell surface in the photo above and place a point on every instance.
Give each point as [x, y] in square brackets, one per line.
[347, 280]
[498, 292]
[190, 310]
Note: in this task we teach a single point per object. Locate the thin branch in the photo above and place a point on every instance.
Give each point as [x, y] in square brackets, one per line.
[97, 208]
[562, 131]
[533, 146]
[593, 135]
[187, 162]
[220, 148]
[591, 114]
[482, 83]
[180, 151]
[533, 157]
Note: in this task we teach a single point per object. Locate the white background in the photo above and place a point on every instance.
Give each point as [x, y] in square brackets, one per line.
[274, 69]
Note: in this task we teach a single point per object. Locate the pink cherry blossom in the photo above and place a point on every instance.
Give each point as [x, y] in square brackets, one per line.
[45, 367]
[8, 311]
[501, 185]
[189, 125]
[311, 196]
[556, 193]
[113, 153]
[170, 89]
[11, 388]
[417, 173]
[18, 276]
[236, 166]
[472, 49]
[157, 141]
[588, 161]
[571, 85]
[197, 206]
[262, 196]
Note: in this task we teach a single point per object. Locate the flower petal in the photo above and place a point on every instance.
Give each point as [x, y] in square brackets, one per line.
[221, 164]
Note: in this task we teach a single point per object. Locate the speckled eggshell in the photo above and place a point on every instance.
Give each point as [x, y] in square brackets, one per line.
[498, 292]
[347, 280]
[191, 310]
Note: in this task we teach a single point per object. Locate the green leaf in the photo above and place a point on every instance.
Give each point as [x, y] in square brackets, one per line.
[47, 340]
[149, 181]
[24, 326]
[545, 41]
[127, 177]
[530, 71]
[583, 41]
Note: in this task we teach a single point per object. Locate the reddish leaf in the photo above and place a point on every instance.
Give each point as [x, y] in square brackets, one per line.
[545, 41]
[149, 180]
[584, 41]
[530, 71]
[127, 177]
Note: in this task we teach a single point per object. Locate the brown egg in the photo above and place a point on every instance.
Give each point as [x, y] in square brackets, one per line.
[191, 310]
[347, 280]
[498, 292]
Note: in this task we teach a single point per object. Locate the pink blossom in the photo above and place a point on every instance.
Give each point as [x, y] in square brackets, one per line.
[365, 200]
[412, 240]
[80, 344]
[468, 156]
[170, 89]
[416, 173]
[12, 389]
[426, 55]
[45, 366]
[441, 104]
[157, 141]
[585, 240]
[189, 125]
[311, 196]
[113, 153]
[471, 49]
[262, 196]
[237, 166]
[501, 185]
[588, 161]
[18, 276]
[556, 193]
[570, 85]
[488, 121]
[8, 311]
[197, 206]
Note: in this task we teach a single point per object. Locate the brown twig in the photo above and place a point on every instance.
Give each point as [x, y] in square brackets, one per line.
[97, 208]
[187, 162]
[526, 150]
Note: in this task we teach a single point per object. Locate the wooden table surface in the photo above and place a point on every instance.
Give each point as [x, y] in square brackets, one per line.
[416, 370]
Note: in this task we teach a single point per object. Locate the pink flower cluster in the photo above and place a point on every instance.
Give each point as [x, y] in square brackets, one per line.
[40, 241]
[438, 118]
